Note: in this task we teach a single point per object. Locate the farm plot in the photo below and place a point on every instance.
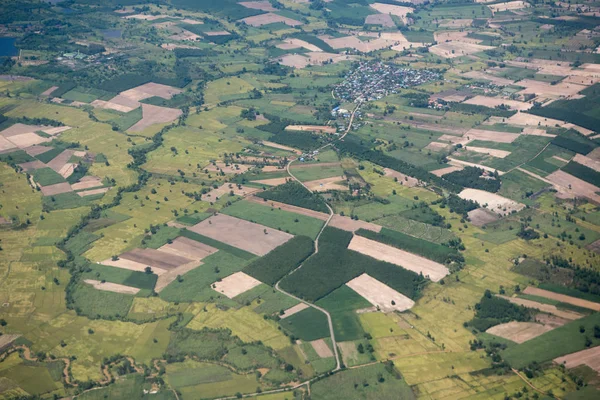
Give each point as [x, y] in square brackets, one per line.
[311, 128]
[322, 348]
[384, 20]
[403, 179]
[380, 295]
[398, 11]
[188, 248]
[447, 170]
[327, 184]
[570, 186]
[588, 162]
[493, 202]
[131, 265]
[479, 75]
[493, 102]
[155, 258]
[58, 188]
[241, 234]
[296, 44]
[589, 357]
[226, 189]
[457, 49]
[480, 216]
[112, 287]
[379, 251]
[548, 308]
[562, 298]
[519, 332]
[510, 5]
[293, 310]
[269, 18]
[272, 181]
[351, 225]
[92, 192]
[154, 115]
[288, 207]
[220, 166]
[235, 284]
[258, 5]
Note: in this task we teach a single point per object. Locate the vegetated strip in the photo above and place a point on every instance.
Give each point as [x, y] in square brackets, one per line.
[334, 265]
[430, 250]
[492, 310]
[573, 145]
[353, 147]
[282, 260]
[295, 194]
[582, 172]
[218, 245]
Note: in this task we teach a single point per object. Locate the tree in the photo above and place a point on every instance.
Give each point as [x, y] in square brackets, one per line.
[148, 270]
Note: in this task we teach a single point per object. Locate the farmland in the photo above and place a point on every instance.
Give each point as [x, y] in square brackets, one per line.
[283, 200]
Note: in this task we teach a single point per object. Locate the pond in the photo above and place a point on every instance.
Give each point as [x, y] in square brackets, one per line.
[7, 47]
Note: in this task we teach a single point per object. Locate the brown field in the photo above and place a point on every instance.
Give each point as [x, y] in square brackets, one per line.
[533, 120]
[188, 248]
[258, 5]
[19, 129]
[403, 179]
[155, 258]
[492, 152]
[461, 163]
[511, 5]
[443, 171]
[437, 146]
[588, 162]
[173, 46]
[49, 91]
[562, 298]
[216, 33]
[492, 78]
[570, 186]
[351, 225]
[348, 350]
[457, 49]
[254, 238]
[481, 216]
[60, 160]
[379, 294]
[32, 165]
[589, 357]
[594, 154]
[112, 287]
[431, 269]
[272, 181]
[154, 115]
[185, 35]
[550, 309]
[323, 350]
[380, 19]
[297, 43]
[491, 136]
[545, 88]
[294, 61]
[27, 139]
[456, 23]
[226, 189]
[112, 106]
[269, 18]
[323, 185]
[67, 170]
[228, 169]
[288, 207]
[454, 36]
[493, 202]
[58, 188]
[281, 147]
[87, 182]
[519, 332]
[550, 320]
[536, 132]
[311, 128]
[131, 265]
[93, 191]
[293, 310]
[399, 11]
[151, 89]
[493, 102]
[235, 284]
[35, 150]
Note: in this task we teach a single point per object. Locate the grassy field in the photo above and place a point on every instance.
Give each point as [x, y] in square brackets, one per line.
[309, 324]
[342, 305]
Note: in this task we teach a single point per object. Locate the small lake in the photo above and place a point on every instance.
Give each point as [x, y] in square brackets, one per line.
[7, 47]
[112, 34]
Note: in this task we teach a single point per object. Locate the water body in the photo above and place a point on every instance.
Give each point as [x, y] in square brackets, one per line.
[112, 34]
[7, 47]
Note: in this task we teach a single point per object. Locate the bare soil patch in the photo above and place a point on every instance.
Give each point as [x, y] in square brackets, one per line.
[294, 61]
[298, 43]
[536, 132]
[154, 115]
[56, 130]
[493, 202]
[19, 129]
[228, 169]
[235, 284]
[521, 118]
[192, 21]
[351, 225]
[27, 139]
[380, 19]
[49, 91]
[594, 154]
[546, 89]
[322, 349]
[112, 106]
[281, 147]
[58, 188]
[112, 287]
[169, 276]
[92, 192]
[457, 49]
[399, 11]
[258, 5]
[588, 162]
[480, 216]
[36, 150]
[562, 298]
[443, 171]
[311, 128]
[462, 164]
[456, 23]
[32, 165]
[519, 332]
[155, 258]
[493, 102]
[437, 146]
[431, 269]
[492, 152]
[58, 162]
[403, 179]
[294, 310]
[589, 357]
[323, 185]
[269, 18]
[272, 181]
[492, 78]
[550, 320]
[569, 186]
[131, 265]
[226, 189]
[511, 5]
[173, 46]
[454, 36]
[87, 182]
[188, 248]
[550, 309]
[379, 294]
[67, 170]
[288, 207]
[254, 238]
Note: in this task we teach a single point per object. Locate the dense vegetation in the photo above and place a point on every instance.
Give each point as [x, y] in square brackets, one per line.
[295, 194]
[492, 310]
[281, 261]
[476, 178]
[458, 205]
[573, 145]
[582, 172]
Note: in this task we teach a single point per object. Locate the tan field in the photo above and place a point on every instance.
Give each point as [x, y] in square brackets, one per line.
[5, 144]
[457, 49]
[151, 89]
[443, 171]
[19, 129]
[322, 349]
[550, 320]
[536, 132]
[269, 18]
[258, 5]
[154, 115]
[58, 188]
[293, 310]
[589, 357]
[288, 207]
[325, 184]
[294, 61]
[562, 298]
[545, 88]
[550, 309]
[58, 162]
[272, 181]
[570, 186]
[492, 78]
[456, 23]
[491, 201]
[226, 189]
[49, 91]
[519, 332]
[216, 33]
[111, 106]
[27, 139]
[594, 154]
[281, 147]
[437, 146]
[493, 102]
[298, 43]
[588, 162]
[511, 5]
[254, 238]
[462, 164]
[112, 287]
[380, 19]
[93, 191]
[228, 169]
[379, 294]
[188, 248]
[454, 36]
[311, 128]
[431, 269]
[87, 182]
[492, 152]
[351, 225]
[192, 21]
[56, 130]
[348, 350]
[155, 258]
[173, 46]
[131, 265]
[169, 276]
[403, 179]
[35, 150]
[32, 165]
[235, 284]
[67, 170]
[399, 11]
[533, 120]
[481, 216]
[185, 35]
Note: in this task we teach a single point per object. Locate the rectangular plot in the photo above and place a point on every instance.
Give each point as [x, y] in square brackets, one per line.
[379, 294]
[254, 238]
[235, 284]
[155, 258]
[131, 265]
[188, 248]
